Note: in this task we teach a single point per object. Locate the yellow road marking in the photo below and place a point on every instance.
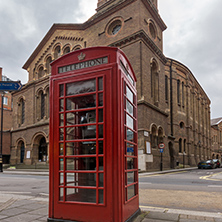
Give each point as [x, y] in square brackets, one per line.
[208, 177]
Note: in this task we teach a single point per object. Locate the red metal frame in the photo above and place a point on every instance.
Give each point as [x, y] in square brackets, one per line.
[91, 144]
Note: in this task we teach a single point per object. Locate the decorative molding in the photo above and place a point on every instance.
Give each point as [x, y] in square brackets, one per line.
[69, 38]
[141, 35]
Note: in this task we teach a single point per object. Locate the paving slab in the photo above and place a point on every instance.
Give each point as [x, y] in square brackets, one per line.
[161, 216]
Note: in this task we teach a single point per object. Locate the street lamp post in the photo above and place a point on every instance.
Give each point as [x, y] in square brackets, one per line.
[1, 160]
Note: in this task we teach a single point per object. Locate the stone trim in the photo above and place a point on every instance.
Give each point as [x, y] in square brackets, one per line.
[142, 35]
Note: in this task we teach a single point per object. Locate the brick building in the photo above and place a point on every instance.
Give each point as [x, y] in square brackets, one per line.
[7, 121]
[216, 135]
[172, 106]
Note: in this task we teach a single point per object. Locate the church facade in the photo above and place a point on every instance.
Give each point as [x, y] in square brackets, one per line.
[172, 106]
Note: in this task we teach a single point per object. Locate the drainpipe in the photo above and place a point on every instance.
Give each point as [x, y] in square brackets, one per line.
[171, 98]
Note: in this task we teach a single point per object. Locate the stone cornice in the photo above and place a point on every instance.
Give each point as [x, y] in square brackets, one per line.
[141, 35]
[38, 124]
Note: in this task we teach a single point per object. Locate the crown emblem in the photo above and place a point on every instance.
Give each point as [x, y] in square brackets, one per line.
[81, 56]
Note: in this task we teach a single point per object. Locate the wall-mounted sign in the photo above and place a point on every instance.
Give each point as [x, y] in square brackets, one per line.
[148, 148]
[82, 65]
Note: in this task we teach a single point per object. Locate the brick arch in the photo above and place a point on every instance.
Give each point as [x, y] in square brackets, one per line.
[77, 47]
[40, 154]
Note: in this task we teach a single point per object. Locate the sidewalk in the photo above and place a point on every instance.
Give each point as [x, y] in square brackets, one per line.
[21, 208]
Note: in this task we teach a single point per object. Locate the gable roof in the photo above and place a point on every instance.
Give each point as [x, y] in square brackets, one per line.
[216, 121]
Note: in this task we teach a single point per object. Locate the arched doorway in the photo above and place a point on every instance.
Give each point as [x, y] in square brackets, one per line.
[171, 151]
[22, 152]
[42, 150]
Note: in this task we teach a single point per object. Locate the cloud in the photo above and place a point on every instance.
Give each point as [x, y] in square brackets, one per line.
[193, 38]
[24, 23]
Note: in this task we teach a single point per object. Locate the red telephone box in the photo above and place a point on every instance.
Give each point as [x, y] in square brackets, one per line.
[93, 137]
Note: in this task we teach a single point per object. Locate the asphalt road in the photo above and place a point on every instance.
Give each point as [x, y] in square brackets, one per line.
[188, 190]
[29, 185]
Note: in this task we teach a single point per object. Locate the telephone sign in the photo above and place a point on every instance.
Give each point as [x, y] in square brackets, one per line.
[93, 137]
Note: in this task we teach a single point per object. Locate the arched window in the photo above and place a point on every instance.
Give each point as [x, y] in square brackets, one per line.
[40, 105]
[155, 83]
[47, 103]
[57, 52]
[47, 65]
[180, 145]
[160, 135]
[77, 47]
[184, 146]
[153, 137]
[166, 89]
[66, 50]
[178, 91]
[21, 111]
[40, 72]
[183, 95]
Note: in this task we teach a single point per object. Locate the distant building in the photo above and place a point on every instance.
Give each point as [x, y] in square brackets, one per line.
[216, 134]
[172, 106]
[7, 121]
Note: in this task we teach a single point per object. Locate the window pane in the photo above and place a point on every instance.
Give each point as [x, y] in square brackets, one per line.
[61, 133]
[81, 195]
[61, 179]
[130, 177]
[100, 99]
[129, 121]
[83, 117]
[61, 90]
[129, 94]
[129, 108]
[100, 115]
[101, 196]
[61, 163]
[61, 190]
[100, 131]
[131, 191]
[81, 102]
[131, 163]
[100, 147]
[85, 163]
[81, 179]
[101, 84]
[80, 87]
[61, 120]
[129, 135]
[61, 104]
[130, 149]
[100, 163]
[61, 150]
[81, 148]
[81, 132]
[101, 180]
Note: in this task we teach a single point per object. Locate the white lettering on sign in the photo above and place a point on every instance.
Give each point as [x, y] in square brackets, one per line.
[82, 65]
